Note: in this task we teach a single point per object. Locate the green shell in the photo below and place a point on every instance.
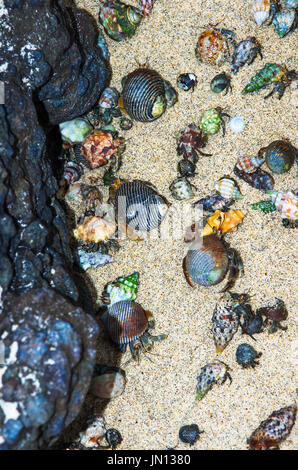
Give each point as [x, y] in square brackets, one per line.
[268, 74]
[75, 131]
[119, 20]
[123, 288]
[264, 206]
[210, 121]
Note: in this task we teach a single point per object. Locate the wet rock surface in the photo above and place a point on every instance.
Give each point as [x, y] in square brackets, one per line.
[53, 71]
[49, 357]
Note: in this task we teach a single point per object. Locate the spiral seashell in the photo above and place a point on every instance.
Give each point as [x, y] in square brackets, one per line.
[279, 156]
[99, 147]
[261, 11]
[259, 179]
[146, 6]
[213, 373]
[249, 164]
[143, 95]
[139, 207]
[125, 321]
[95, 229]
[225, 322]
[286, 203]
[210, 121]
[283, 22]
[72, 172]
[182, 189]
[228, 188]
[220, 83]
[212, 48]
[274, 429]
[119, 20]
[108, 382]
[206, 262]
[123, 288]
[223, 222]
[109, 98]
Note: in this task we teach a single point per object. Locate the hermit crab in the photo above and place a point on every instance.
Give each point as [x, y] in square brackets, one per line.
[211, 120]
[245, 53]
[128, 324]
[190, 140]
[247, 356]
[216, 372]
[146, 95]
[277, 74]
[274, 314]
[119, 20]
[213, 46]
[275, 429]
[279, 156]
[208, 260]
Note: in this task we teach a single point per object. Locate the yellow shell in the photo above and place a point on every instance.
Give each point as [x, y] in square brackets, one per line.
[95, 229]
[223, 222]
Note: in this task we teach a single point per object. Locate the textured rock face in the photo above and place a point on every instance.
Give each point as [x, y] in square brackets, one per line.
[49, 357]
[53, 71]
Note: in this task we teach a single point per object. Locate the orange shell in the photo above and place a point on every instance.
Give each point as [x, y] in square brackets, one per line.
[98, 148]
[223, 222]
[95, 229]
[211, 48]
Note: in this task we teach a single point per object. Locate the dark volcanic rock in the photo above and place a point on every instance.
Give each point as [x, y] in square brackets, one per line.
[53, 71]
[49, 358]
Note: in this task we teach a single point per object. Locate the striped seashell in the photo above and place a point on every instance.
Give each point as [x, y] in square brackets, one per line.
[249, 164]
[109, 98]
[72, 172]
[283, 22]
[225, 322]
[261, 11]
[143, 95]
[139, 207]
[125, 322]
[274, 429]
[206, 262]
[286, 203]
[228, 188]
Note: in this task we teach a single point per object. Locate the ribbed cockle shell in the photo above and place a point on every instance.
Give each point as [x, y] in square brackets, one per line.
[206, 262]
[125, 321]
[274, 429]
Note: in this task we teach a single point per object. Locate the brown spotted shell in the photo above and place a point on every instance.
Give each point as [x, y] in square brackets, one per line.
[125, 321]
[99, 147]
[212, 48]
[274, 429]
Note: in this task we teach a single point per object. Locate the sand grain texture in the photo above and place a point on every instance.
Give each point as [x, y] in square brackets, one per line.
[159, 395]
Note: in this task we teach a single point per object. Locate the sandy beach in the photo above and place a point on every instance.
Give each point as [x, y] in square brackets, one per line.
[160, 396]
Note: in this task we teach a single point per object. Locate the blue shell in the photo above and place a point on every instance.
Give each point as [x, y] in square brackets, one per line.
[284, 22]
[206, 262]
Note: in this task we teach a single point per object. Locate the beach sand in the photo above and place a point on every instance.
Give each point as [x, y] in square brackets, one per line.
[160, 396]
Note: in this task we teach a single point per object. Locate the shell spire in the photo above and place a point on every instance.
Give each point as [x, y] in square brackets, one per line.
[123, 288]
[228, 188]
[286, 202]
[225, 322]
[249, 164]
[274, 429]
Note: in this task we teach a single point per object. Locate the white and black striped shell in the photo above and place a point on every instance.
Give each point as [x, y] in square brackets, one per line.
[139, 207]
[143, 95]
[125, 322]
[206, 262]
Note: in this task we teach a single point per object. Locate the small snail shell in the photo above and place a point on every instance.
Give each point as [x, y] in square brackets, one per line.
[143, 95]
[108, 382]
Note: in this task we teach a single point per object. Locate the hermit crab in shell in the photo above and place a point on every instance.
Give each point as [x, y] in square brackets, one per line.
[119, 20]
[245, 53]
[208, 260]
[211, 120]
[213, 46]
[146, 95]
[277, 74]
